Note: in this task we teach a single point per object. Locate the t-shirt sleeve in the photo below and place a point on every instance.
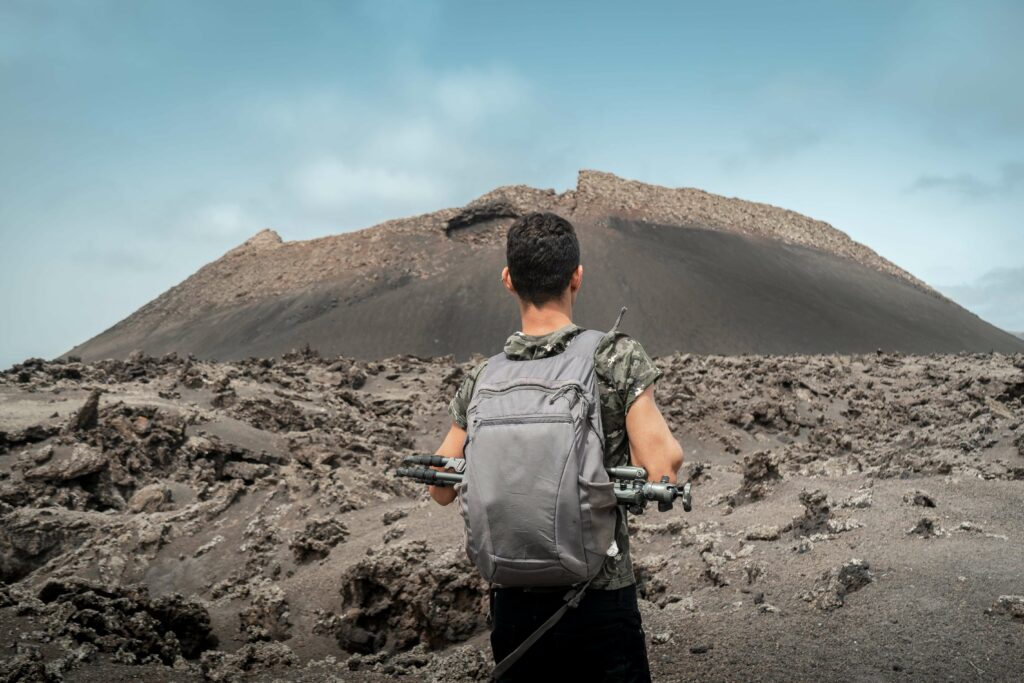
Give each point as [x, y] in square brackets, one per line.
[460, 402]
[624, 364]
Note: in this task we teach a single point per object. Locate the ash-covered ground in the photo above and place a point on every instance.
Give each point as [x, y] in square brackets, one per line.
[855, 518]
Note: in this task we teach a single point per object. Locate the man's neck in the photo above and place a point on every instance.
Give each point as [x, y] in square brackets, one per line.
[540, 320]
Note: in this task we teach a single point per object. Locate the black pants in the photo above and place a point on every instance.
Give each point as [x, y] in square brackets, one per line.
[600, 640]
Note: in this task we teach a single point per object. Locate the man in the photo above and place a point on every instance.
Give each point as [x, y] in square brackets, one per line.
[602, 639]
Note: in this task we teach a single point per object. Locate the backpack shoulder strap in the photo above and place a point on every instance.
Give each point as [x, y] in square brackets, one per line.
[493, 363]
[585, 343]
[571, 601]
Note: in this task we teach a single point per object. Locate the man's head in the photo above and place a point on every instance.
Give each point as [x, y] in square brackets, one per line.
[543, 259]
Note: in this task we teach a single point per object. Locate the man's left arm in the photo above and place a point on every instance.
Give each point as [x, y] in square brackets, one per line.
[651, 443]
[625, 366]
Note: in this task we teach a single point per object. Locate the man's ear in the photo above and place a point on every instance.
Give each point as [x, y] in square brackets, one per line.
[506, 280]
[576, 280]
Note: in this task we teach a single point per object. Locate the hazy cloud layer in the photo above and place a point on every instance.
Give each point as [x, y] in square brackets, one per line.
[997, 296]
[1010, 179]
[959, 68]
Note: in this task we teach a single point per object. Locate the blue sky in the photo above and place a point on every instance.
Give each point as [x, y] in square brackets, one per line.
[140, 140]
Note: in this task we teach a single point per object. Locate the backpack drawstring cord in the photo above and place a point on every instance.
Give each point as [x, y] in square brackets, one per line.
[615, 327]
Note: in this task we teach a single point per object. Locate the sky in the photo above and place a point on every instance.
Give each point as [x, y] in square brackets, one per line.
[140, 140]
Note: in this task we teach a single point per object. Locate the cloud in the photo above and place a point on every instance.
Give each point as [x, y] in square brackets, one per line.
[471, 96]
[969, 186]
[431, 138]
[117, 257]
[331, 184]
[997, 296]
[768, 145]
[224, 219]
[778, 142]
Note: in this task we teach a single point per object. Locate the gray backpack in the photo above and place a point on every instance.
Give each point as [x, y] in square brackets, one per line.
[537, 502]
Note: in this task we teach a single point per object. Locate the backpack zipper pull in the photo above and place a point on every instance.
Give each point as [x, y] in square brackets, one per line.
[565, 389]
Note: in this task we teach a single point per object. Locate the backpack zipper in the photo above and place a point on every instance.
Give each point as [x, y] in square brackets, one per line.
[523, 418]
[555, 393]
[516, 387]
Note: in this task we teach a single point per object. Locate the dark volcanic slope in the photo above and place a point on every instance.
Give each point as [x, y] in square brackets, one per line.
[699, 272]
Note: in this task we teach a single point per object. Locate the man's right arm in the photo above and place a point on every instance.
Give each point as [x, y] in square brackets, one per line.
[451, 447]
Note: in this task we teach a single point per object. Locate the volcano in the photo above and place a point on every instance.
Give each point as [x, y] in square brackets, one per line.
[699, 273]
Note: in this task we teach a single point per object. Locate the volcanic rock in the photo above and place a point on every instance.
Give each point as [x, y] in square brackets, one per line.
[150, 498]
[298, 552]
[82, 460]
[30, 538]
[919, 498]
[481, 212]
[834, 585]
[388, 608]
[126, 621]
[222, 667]
[267, 617]
[1012, 605]
[762, 533]
[22, 437]
[317, 539]
[392, 516]
[817, 512]
[926, 527]
[760, 470]
[88, 414]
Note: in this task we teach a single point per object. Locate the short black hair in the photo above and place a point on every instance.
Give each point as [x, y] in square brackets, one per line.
[542, 254]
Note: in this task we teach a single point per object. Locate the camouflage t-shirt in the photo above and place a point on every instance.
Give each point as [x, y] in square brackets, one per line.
[623, 370]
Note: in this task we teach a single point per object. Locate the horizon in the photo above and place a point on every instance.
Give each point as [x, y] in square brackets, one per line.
[146, 140]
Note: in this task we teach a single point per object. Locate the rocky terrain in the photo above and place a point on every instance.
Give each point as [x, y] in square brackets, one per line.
[856, 517]
[700, 273]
